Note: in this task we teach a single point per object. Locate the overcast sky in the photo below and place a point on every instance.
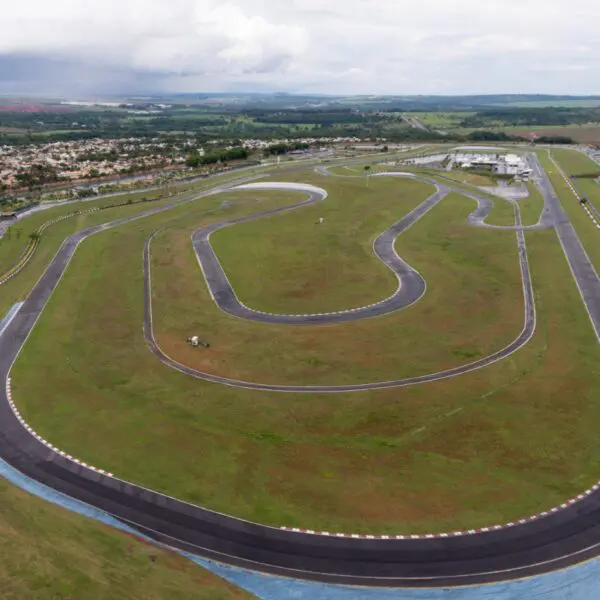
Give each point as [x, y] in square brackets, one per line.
[351, 46]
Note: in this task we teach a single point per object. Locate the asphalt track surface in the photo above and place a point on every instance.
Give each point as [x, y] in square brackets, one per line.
[564, 536]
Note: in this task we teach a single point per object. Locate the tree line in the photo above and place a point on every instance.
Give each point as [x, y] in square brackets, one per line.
[195, 159]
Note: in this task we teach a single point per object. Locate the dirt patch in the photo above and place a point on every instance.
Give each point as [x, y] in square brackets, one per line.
[579, 134]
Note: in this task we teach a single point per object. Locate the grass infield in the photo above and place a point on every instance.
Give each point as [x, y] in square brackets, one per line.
[470, 275]
[484, 448]
[333, 264]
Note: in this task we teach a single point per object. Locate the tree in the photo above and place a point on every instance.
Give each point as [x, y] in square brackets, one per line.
[554, 139]
[193, 160]
[367, 169]
[37, 176]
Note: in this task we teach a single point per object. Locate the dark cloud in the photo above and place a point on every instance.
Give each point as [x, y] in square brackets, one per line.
[40, 74]
[346, 46]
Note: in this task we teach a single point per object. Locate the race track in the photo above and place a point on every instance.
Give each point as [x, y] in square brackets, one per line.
[411, 287]
[563, 536]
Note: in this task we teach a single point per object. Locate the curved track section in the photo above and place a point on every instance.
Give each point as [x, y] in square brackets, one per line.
[563, 536]
[411, 288]
[485, 205]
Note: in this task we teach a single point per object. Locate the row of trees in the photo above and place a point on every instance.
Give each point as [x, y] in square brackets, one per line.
[554, 139]
[195, 159]
[278, 149]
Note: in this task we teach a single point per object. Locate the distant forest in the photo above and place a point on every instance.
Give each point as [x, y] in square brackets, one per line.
[203, 118]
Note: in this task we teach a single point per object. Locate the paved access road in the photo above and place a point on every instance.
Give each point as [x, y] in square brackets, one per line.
[561, 537]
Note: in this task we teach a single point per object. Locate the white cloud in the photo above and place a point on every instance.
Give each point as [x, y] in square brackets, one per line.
[368, 46]
[170, 35]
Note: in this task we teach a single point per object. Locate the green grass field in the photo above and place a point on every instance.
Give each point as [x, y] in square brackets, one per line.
[548, 103]
[336, 354]
[487, 447]
[50, 553]
[586, 133]
[575, 163]
[531, 208]
[339, 251]
[441, 120]
[469, 178]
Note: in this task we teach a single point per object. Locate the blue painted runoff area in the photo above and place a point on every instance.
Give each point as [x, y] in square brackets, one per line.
[581, 582]
[10, 315]
[577, 583]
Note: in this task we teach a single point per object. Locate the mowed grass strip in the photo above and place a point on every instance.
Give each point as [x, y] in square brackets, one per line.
[531, 207]
[587, 231]
[51, 553]
[492, 446]
[467, 177]
[576, 163]
[473, 306]
[289, 263]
